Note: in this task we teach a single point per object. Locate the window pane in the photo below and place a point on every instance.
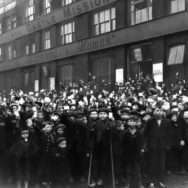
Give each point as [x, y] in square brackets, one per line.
[180, 54]
[141, 11]
[33, 48]
[107, 15]
[104, 21]
[138, 54]
[101, 18]
[181, 5]
[177, 6]
[27, 50]
[67, 31]
[172, 56]
[96, 21]
[113, 25]
[113, 13]
[176, 55]
[107, 27]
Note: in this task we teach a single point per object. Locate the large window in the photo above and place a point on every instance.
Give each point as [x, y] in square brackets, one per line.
[46, 40]
[8, 6]
[67, 2]
[105, 21]
[1, 54]
[30, 49]
[11, 23]
[30, 11]
[10, 52]
[141, 11]
[1, 29]
[27, 50]
[68, 33]
[141, 53]
[46, 6]
[33, 48]
[176, 54]
[177, 6]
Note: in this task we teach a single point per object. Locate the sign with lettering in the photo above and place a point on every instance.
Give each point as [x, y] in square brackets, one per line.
[36, 85]
[52, 83]
[55, 17]
[158, 72]
[119, 76]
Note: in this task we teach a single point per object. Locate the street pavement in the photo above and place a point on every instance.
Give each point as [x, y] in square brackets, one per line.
[172, 181]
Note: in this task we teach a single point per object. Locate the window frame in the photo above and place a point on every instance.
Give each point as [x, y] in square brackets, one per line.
[30, 6]
[142, 47]
[133, 13]
[47, 8]
[47, 40]
[10, 52]
[1, 28]
[27, 49]
[32, 45]
[11, 23]
[175, 60]
[1, 53]
[100, 22]
[70, 34]
[64, 3]
[177, 10]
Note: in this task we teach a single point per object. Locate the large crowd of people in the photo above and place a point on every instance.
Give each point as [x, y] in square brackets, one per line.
[130, 135]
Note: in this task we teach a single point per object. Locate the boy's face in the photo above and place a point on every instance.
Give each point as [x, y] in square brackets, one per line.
[47, 128]
[25, 135]
[40, 115]
[131, 123]
[103, 115]
[174, 117]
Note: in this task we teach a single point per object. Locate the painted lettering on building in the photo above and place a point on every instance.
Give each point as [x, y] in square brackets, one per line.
[67, 13]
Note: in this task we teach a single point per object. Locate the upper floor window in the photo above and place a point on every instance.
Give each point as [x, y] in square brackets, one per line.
[67, 2]
[104, 21]
[10, 52]
[68, 33]
[27, 49]
[8, 6]
[176, 54]
[47, 40]
[142, 53]
[46, 6]
[30, 10]
[33, 48]
[1, 29]
[14, 52]
[141, 11]
[1, 54]
[177, 6]
[11, 23]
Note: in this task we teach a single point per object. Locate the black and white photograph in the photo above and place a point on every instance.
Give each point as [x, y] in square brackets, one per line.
[93, 93]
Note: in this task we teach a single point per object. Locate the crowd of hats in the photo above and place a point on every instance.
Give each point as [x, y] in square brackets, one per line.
[139, 96]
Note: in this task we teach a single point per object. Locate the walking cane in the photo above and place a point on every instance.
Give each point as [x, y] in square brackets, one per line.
[112, 164]
[90, 168]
